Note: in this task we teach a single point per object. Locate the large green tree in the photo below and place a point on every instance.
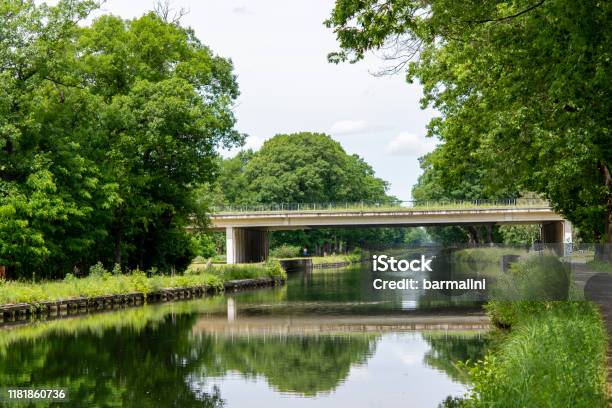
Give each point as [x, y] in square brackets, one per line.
[307, 168]
[106, 131]
[522, 87]
[310, 168]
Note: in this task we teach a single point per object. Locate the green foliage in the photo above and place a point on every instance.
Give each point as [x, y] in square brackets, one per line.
[600, 266]
[285, 251]
[555, 357]
[533, 284]
[116, 269]
[309, 167]
[205, 245]
[98, 270]
[101, 282]
[355, 255]
[416, 237]
[519, 234]
[270, 269]
[275, 270]
[306, 168]
[107, 130]
[515, 106]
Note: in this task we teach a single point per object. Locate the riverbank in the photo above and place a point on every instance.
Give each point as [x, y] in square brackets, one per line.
[102, 288]
[322, 262]
[547, 353]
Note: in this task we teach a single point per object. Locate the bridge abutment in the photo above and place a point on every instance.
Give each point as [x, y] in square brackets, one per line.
[246, 245]
[558, 234]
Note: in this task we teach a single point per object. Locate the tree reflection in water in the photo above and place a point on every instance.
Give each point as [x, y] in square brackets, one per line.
[155, 365]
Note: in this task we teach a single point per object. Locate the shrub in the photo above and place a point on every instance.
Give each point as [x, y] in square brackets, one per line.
[275, 270]
[97, 270]
[542, 278]
[355, 255]
[116, 269]
[285, 251]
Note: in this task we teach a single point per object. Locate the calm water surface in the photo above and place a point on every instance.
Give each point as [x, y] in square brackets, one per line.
[326, 339]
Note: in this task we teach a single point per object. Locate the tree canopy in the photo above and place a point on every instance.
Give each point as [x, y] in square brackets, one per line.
[106, 131]
[522, 88]
[306, 168]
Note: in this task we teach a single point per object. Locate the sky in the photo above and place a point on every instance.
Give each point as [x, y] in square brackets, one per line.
[279, 51]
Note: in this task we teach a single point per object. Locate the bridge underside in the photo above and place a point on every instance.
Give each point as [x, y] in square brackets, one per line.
[251, 244]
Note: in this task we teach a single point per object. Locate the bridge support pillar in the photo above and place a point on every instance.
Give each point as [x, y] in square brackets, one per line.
[246, 245]
[558, 234]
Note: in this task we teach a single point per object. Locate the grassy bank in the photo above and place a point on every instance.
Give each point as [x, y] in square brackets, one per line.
[555, 356]
[486, 255]
[291, 252]
[552, 353]
[101, 282]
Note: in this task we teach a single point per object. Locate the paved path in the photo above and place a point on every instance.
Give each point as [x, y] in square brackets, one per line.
[598, 288]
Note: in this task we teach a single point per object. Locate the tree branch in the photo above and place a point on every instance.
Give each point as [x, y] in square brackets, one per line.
[520, 13]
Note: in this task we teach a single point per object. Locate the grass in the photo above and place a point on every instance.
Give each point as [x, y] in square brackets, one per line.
[554, 356]
[552, 351]
[600, 266]
[352, 257]
[102, 282]
[486, 255]
[364, 206]
[330, 259]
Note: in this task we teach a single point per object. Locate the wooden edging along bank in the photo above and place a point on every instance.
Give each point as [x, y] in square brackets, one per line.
[23, 311]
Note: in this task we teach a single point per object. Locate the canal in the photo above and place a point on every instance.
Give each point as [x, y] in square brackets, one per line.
[325, 339]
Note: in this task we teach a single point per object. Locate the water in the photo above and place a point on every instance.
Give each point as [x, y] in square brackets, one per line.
[326, 339]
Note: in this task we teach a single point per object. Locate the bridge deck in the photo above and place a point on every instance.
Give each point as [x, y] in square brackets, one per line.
[384, 216]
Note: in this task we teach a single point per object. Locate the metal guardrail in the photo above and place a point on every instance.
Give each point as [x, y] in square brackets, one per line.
[380, 206]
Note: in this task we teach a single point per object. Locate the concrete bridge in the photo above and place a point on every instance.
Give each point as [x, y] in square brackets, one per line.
[247, 227]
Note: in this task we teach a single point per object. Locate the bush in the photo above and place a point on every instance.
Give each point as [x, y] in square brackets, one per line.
[533, 285]
[542, 278]
[285, 251]
[355, 255]
[97, 270]
[553, 358]
[275, 270]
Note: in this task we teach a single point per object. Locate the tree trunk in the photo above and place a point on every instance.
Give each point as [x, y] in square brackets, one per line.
[490, 234]
[118, 246]
[473, 235]
[607, 245]
[606, 250]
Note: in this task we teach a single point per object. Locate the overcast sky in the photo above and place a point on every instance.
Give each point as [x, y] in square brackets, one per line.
[279, 53]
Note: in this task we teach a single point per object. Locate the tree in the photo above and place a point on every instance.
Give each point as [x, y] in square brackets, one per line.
[107, 131]
[310, 168]
[522, 88]
[307, 168]
[465, 181]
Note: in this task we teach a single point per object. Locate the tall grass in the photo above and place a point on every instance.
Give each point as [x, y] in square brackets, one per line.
[555, 357]
[102, 282]
[554, 354]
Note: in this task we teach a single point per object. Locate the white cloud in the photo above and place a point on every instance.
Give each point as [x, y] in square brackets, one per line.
[408, 144]
[345, 127]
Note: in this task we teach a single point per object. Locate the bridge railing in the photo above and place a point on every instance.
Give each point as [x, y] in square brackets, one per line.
[380, 206]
